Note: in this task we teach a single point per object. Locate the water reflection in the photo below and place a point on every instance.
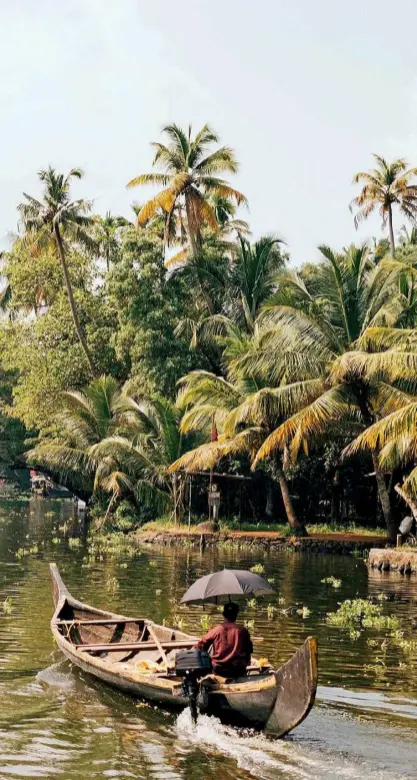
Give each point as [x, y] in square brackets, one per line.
[55, 721]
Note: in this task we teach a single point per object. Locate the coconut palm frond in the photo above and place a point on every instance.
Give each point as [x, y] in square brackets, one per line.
[395, 425]
[381, 339]
[200, 387]
[269, 405]
[332, 405]
[189, 176]
[202, 417]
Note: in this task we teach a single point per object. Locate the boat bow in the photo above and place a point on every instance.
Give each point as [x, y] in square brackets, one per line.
[296, 690]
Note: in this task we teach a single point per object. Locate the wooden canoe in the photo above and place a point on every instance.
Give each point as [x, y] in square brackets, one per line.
[113, 648]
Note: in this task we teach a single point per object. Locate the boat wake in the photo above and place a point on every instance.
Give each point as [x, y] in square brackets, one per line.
[304, 756]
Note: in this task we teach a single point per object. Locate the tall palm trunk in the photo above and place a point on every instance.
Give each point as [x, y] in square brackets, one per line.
[384, 499]
[193, 236]
[391, 230]
[269, 506]
[292, 518]
[70, 294]
[409, 500]
[335, 499]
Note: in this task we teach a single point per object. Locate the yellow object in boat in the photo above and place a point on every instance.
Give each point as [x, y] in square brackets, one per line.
[263, 662]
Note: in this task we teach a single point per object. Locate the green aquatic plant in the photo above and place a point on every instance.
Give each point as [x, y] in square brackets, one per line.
[178, 622]
[7, 606]
[252, 603]
[361, 613]
[271, 611]
[378, 669]
[333, 581]
[112, 585]
[406, 645]
[258, 568]
[205, 622]
[249, 624]
[74, 542]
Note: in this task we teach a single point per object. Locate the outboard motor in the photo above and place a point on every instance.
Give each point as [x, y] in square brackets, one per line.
[192, 665]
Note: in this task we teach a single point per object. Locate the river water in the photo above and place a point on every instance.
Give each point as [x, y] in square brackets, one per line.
[57, 722]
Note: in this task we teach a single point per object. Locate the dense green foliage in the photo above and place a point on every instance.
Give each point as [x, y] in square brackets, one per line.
[133, 353]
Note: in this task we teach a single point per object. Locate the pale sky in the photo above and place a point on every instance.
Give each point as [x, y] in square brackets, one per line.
[304, 90]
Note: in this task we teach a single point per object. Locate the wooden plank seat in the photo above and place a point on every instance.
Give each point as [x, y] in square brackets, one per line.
[102, 622]
[118, 646]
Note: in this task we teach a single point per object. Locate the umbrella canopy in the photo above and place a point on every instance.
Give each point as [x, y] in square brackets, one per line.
[228, 582]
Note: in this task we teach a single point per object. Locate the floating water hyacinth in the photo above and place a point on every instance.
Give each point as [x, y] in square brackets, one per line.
[112, 585]
[7, 606]
[333, 581]
[258, 568]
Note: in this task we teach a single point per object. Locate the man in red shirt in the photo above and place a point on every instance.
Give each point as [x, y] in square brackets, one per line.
[231, 645]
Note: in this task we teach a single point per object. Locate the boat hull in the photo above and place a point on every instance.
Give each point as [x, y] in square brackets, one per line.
[275, 701]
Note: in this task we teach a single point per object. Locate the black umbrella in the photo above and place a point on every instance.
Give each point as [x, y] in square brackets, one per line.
[228, 582]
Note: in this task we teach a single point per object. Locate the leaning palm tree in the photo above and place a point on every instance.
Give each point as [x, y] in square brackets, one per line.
[245, 414]
[55, 219]
[388, 184]
[190, 176]
[344, 335]
[394, 441]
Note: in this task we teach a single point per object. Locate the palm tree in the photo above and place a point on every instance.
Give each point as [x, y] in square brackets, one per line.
[386, 185]
[225, 212]
[6, 299]
[342, 335]
[232, 295]
[85, 419]
[245, 414]
[189, 178]
[54, 219]
[407, 237]
[393, 441]
[254, 277]
[137, 456]
[106, 235]
[110, 442]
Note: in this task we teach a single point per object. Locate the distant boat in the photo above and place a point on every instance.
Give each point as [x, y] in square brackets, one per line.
[136, 655]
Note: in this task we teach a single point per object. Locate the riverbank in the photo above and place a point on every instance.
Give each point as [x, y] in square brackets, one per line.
[336, 543]
[403, 560]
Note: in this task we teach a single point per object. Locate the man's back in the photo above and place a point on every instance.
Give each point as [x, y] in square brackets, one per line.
[231, 648]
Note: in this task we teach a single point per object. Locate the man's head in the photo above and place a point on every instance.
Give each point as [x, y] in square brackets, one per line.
[230, 611]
